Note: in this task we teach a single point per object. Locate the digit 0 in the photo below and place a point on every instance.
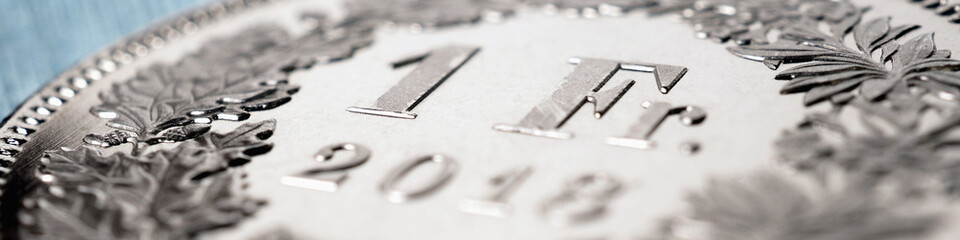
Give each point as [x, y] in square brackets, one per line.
[389, 187]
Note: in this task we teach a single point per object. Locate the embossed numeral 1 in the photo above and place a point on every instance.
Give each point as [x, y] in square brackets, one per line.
[582, 200]
[435, 67]
[656, 113]
[582, 86]
[389, 186]
[495, 204]
[330, 174]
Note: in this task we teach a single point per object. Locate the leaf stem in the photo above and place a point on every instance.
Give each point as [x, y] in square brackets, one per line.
[139, 148]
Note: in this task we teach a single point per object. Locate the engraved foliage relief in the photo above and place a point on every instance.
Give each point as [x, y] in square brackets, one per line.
[167, 194]
[871, 159]
[226, 80]
[199, 184]
[846, 172]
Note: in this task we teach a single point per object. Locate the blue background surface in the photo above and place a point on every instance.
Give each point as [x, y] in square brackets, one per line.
[41, 38]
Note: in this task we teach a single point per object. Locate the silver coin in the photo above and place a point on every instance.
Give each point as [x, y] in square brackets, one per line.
[500, 119]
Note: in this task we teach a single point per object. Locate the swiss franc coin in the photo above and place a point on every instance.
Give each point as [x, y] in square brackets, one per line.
[501, 119]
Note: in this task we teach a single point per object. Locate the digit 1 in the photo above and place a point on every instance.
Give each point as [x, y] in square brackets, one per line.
[389, 186]
[435, 67]
[640, 132]
[329, 175]
[495, 204]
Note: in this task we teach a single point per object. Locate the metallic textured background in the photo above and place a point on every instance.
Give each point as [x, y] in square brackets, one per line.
[39, 39]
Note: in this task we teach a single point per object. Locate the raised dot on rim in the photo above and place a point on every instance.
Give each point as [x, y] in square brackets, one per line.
[14, 142]
[217, 10]
[54, 101]
[590, 13]
[8, 152]
[137, 49]
[22, 130]
[92, 74]
[106, 65]
[79, 82]
[610, 10]
[186, 26]
[153, 41]
[66, 92]
[32, 121]
[169, 33]
[200, 18]
[121, 56]
[550, 9]
[416, 28]
[42, 111]
[492, 16]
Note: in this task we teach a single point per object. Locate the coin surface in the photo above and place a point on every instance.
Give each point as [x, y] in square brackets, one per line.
[500, 119]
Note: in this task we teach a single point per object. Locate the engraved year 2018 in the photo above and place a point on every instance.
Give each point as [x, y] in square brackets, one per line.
[581, 200]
